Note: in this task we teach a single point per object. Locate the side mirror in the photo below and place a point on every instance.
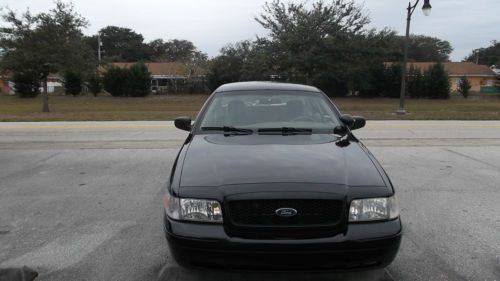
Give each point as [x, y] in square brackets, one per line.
[183, 123]
[353, 122]
[347, 119]
[359, 122]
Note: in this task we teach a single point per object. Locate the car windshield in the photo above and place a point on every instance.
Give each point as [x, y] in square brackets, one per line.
[258, 110]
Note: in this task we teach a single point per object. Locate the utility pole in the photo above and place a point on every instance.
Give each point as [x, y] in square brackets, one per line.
[45, 94]
[99, 45]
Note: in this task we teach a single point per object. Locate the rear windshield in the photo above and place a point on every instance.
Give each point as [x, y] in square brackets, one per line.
[270, 109]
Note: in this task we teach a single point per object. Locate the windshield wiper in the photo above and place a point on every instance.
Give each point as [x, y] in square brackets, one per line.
[229, 129]
[286, 131]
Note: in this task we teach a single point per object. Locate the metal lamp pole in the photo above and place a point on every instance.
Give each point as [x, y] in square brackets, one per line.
[426, 8]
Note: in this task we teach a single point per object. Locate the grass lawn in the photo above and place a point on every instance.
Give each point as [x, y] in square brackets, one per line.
[88, 108]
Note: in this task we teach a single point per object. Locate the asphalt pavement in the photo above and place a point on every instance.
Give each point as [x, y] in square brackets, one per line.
[82, 200]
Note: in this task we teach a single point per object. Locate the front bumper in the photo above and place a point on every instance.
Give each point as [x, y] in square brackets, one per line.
[363, 246]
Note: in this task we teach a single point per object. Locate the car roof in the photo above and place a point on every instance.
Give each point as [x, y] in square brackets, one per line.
[262, 85]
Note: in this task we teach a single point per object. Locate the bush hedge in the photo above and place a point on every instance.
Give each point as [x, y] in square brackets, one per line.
[26, 84]
[95, 84]
[73, 83]
[134, 81]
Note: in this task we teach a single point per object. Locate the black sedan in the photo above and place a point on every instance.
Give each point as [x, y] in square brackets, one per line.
[271, 177]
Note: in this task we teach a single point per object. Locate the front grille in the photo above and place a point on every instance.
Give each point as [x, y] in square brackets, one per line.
[262, 213]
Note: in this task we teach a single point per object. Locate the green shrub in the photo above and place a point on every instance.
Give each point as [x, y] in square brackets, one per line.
[372, 84]
[114, 81]
[392, 81]
[26, 84]
[464, 86]
[95, 84]
[437, 84]
[73, 83]
[138, 80]
[332, 86]
[224, 69]
[416, 83]
[432, 83]
[134, 81]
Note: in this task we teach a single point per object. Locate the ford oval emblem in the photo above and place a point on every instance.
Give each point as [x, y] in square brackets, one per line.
[286, 212]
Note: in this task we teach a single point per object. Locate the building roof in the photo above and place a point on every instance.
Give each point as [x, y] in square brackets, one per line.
[457, 68]
[166, 68]
[263, 85]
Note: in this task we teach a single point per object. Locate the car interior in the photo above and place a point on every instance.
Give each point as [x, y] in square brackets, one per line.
[238, 112]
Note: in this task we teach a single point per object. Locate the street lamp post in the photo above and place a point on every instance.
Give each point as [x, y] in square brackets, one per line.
[426, 9]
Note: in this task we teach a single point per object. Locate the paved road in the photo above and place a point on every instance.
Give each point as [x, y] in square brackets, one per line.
[82, 200]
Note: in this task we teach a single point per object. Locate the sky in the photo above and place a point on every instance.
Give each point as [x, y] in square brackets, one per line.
[210, 24]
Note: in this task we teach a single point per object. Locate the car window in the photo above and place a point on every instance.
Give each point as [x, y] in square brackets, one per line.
[270, 109]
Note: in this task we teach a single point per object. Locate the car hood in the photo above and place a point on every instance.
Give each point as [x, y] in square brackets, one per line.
[217, 160]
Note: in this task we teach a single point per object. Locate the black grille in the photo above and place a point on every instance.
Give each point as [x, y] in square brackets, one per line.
[262, 213]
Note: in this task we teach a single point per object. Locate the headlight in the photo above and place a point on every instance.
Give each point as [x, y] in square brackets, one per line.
[373, 209]
[200, 210]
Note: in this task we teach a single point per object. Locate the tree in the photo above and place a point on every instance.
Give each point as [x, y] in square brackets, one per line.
[325, 44]
[427, 49]
[307, 39]
[176, 50]
[124, 44]
[421, 48]
[95, 84]
[199, 59]
[488, 56]
[392, 81]
[26, 84]
[157, 49]
[134, 81]
[223, 69]
[179, 50]
[114, 81]
[120, 44]
[416, 83]
[138, 83]
[73, 83]
[45, 43]
[365, 72]
[228, 66]
[379, 81]
[373, 83]
[243, 61]
[464, 86]
[437, 84]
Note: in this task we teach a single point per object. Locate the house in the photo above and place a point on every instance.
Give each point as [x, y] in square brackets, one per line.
[54, 83]
[5, 87]
[480, 76]
[170, 77]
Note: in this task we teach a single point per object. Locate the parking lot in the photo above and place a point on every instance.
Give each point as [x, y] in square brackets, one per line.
[82, 200]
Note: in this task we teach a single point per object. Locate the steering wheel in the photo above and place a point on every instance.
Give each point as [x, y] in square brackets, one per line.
[304, 118]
